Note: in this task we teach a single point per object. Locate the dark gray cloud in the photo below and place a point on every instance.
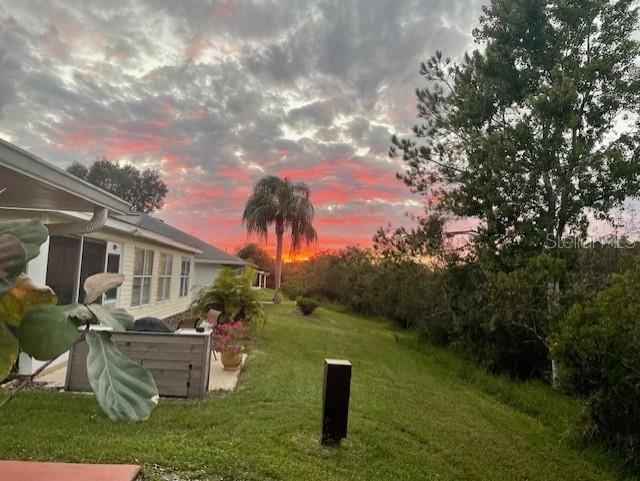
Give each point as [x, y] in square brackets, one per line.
[216, 94]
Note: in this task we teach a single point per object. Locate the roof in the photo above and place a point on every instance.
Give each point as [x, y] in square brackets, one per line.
[208, 254]
[49, 187]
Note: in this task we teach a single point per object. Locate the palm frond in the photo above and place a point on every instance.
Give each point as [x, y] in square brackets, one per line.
[275, 199]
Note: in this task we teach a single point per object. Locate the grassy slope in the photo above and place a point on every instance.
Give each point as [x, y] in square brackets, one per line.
[414, 416]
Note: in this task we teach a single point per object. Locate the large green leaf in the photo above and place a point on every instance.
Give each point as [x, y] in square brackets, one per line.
[8, 351]
[118, 319]
[32, 234]
[25, 294]
[48, 331]
[98, 284]
[124, 390]
[12, 261]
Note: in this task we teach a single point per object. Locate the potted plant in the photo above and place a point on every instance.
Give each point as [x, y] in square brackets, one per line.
[227, 340]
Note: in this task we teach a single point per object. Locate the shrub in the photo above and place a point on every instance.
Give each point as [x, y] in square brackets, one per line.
[293, 288]
[233, 295]
[521, 317]
[306, 305]
[598, 350]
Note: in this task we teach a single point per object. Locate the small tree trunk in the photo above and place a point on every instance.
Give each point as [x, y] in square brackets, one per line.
[553, 295]
[278, 280]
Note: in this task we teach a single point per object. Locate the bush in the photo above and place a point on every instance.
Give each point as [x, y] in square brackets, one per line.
[598, 350]
[306, 305]
[521, 317]
[233, 295]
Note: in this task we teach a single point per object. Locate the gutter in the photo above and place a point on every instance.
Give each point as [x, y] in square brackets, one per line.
[221, 262]
[120, 227]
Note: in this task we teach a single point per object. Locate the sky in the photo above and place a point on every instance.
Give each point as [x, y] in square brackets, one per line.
[217, 94]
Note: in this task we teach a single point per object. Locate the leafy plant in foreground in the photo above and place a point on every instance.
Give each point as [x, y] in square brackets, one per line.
[30, 321]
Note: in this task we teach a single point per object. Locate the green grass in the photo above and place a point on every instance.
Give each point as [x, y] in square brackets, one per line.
[416, 414]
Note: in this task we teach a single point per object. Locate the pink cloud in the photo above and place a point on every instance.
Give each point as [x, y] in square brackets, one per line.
[224, 9]
[196, 47]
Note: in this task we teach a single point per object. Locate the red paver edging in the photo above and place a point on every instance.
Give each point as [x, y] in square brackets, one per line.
[34, 471]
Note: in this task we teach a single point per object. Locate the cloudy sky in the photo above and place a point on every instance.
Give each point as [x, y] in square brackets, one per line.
[217, 94]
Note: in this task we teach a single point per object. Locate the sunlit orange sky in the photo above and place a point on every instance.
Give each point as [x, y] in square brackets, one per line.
[217, 94]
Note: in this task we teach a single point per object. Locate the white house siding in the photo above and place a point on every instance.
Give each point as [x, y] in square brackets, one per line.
[205, 274]
[162, 309]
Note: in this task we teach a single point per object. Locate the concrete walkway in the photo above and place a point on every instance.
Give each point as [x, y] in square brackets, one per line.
[219, 379]
[54, 377]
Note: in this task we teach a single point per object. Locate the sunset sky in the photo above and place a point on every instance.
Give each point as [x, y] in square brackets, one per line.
[217, 94]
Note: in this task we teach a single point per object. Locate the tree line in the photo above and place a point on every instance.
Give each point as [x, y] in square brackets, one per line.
[527, 140]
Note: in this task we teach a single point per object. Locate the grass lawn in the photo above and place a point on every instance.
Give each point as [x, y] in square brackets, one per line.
[416, 414]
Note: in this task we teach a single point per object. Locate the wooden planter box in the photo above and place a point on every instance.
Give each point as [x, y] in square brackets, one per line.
[179, 361]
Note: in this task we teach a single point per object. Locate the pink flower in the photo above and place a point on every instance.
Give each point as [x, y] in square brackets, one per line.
[226, 337]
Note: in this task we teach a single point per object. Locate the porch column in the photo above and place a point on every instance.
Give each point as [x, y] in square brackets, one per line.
[76, 281]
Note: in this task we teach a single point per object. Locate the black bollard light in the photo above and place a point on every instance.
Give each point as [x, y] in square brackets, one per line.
[335, 400]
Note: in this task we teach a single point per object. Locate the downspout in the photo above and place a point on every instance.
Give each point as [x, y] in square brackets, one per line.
[97, 221]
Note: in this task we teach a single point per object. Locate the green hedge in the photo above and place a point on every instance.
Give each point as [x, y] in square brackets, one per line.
[598, 349]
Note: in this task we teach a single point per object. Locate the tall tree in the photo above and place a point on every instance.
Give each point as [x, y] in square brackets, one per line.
[286, 205]
[254, 253]
[144, 190]
[537, 131]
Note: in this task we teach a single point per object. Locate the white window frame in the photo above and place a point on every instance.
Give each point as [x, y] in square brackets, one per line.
[165, 269]
[112, 249]
[145, 278]
[185, 276]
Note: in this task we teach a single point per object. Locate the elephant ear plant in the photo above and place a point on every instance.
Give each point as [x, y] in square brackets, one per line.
[32, 322]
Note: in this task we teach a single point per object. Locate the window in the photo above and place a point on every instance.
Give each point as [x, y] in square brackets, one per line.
[113, 265]
[185, 276]
[164, 277]
[142, 272]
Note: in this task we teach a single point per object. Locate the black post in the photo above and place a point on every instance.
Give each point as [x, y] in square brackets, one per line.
[335, 400]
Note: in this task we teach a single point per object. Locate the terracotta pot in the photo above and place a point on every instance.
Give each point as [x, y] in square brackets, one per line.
[231, 360]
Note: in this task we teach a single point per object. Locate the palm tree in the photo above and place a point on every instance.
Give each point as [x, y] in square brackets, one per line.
[287, 205]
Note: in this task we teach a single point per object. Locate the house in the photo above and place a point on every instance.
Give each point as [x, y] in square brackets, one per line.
[92, 231]
[208, 261]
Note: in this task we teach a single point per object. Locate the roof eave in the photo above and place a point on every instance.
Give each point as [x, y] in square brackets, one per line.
[214, 261]
[27, 164]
